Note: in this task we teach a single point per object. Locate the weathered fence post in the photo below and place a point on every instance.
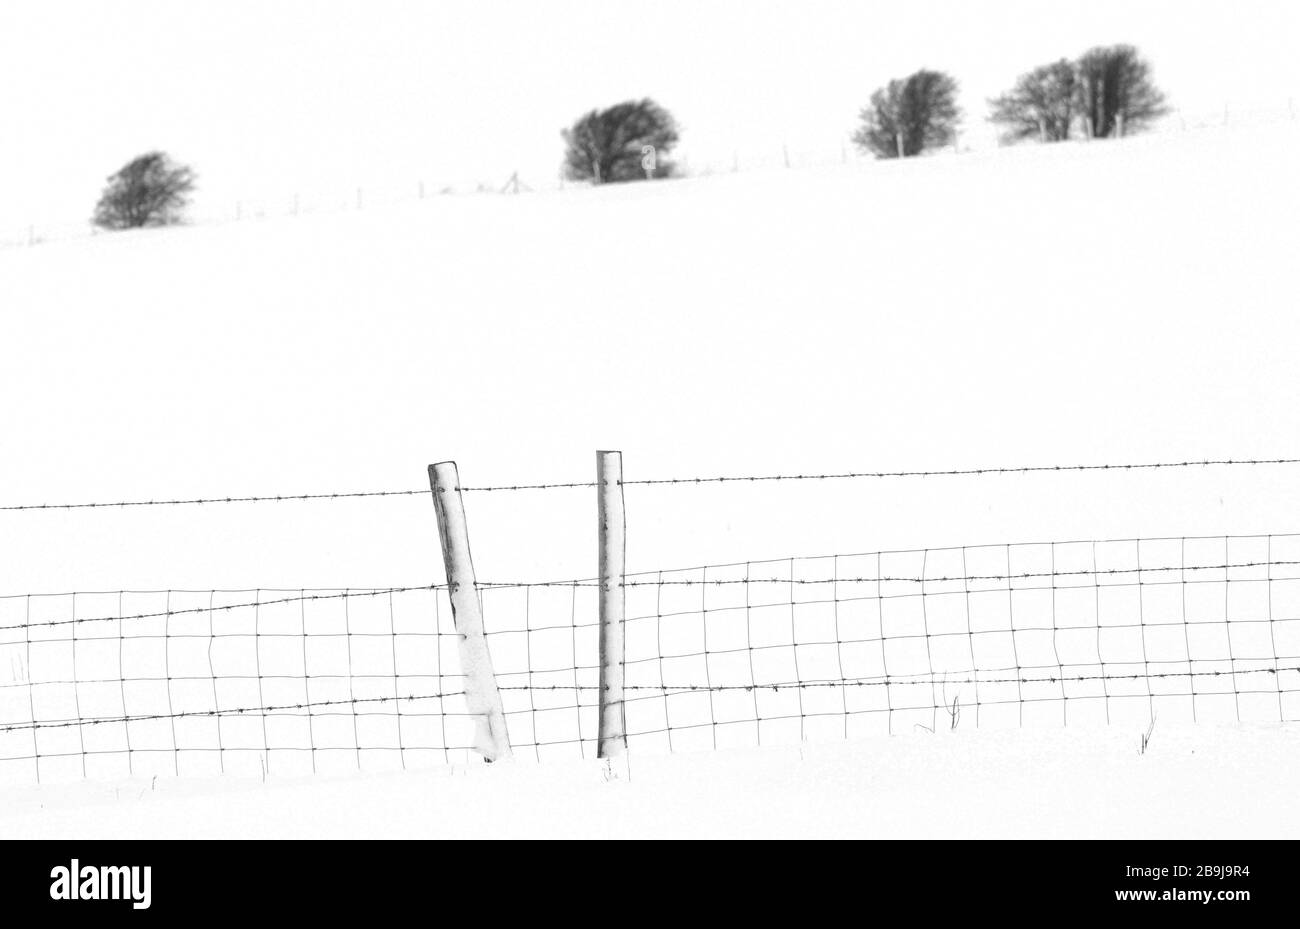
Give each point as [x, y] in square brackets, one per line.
[481, 694]
[613, 562]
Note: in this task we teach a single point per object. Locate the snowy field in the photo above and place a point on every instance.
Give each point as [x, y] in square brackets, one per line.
[1190, 784]
[1083, 303]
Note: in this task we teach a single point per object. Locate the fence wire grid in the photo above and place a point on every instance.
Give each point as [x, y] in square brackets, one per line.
[1076, 633]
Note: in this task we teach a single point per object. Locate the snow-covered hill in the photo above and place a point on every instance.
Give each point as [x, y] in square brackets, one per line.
[1129, 300]
[1083, 303]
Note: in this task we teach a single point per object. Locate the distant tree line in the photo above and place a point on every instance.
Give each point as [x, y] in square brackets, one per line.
[1108, 91]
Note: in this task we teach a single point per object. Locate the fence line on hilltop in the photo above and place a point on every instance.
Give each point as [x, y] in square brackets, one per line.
[353, 198]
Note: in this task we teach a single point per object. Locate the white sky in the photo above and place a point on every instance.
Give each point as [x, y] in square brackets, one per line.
[268, 98]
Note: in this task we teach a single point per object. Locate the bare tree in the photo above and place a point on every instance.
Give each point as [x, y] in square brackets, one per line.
[1042, 105]
[909, 115]
[150, 190]
[607, 146]
[1117, 93]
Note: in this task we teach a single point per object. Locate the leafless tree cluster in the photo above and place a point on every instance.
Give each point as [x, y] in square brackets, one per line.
[1108, 91]
[150, 190]
[909, 115]
[627, 142]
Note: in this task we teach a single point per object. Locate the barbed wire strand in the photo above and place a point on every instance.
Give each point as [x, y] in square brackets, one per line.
[775, 687]
[683, 582]
[672, 481]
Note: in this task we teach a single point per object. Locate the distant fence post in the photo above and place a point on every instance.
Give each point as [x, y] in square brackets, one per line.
[612, 739]
[481, 693]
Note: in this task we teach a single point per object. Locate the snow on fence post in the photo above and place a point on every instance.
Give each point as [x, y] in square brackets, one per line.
[612, 739]
[481, 694]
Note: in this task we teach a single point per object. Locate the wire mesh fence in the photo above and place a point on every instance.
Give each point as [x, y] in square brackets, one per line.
[1074, 633]
[1057, 633]
[195, 682]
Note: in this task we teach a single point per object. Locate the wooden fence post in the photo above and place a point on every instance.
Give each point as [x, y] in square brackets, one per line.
[612, 739]
[481, 694]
